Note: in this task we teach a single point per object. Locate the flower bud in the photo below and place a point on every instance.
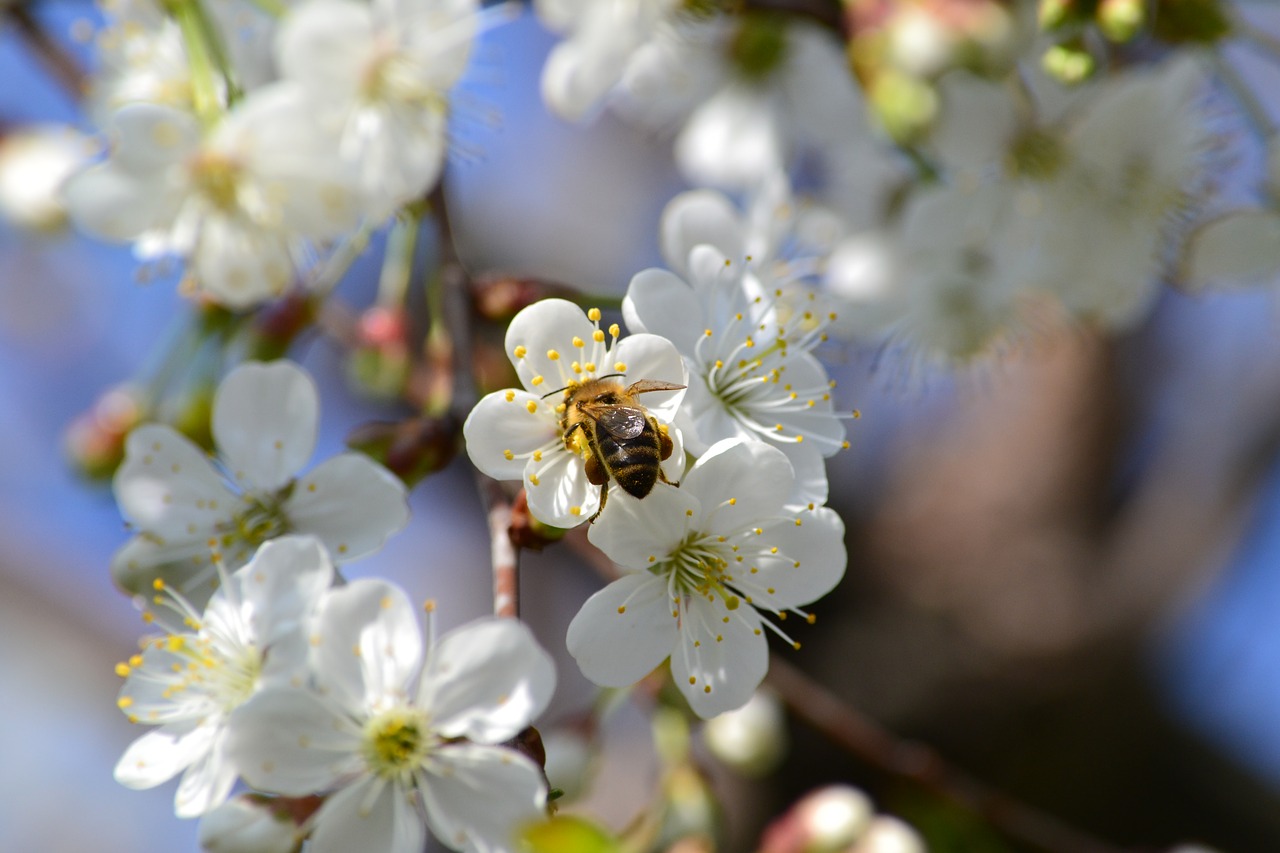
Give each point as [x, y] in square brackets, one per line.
[1053, 14]
[752, 739]
[277, 325]
[412, 448]
[249, 824]
[904, 104]
[1121, 20]
[828, 820]
[1069, 63]
[379, 363]
[34, 163]
[887, 834]
[95, 439]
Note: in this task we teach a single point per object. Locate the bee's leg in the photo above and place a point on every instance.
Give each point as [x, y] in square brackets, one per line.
[665, 448]
[568, 441]
[596, 473]
[604, 495]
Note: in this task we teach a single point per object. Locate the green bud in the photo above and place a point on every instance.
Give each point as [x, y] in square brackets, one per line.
[1121, 20]
[1070, 63]
[904, 104]
[1054, 14]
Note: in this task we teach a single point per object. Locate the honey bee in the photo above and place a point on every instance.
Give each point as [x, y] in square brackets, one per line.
[624, 440]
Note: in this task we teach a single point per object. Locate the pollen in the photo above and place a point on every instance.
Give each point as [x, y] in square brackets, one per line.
[707, 688]
[123, 669]
[510, 395]
[577, 368]
[593, 314]
[693, 679]
[508, 455]
[652, 558]
[795, 646]
[689, 513]
[614, 331]
[598, 336]
[706, 332]
[811, 618]
[537, 456]
[578, 342]
[799, 438]
[124, 702]
[856, 414]
[575, 511]
[622, 608]
[520, 352]
[536, 381]
[733, 501]
[590, 367]
[773, 550]
[620, 366]
[531, 406]
[533, 479]
[553, 355]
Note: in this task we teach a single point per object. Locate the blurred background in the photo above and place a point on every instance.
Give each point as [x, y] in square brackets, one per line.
[1064, 569]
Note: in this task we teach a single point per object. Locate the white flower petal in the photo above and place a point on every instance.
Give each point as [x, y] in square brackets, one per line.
[546, 325]
[111, 204]
[482, 797]
[148, 138]
[976, 122]
[265, 417]
[502, 422]
[562, 496]
[811, 474]
[292, 742]
[207, 782]
[239, 262]
[437, 36]
[351, 504]
[660, 302]
[486, 681]
[159, 755]
[632, 531]
[624, 630]
[697, 217]
[817, 545]
[354, 819]
[1239, 249]
[282, 584]
[729, 657]
[757, 477]
[368, 644]
[731, 140]
[167, 486]
[184, 565]
[325, 45]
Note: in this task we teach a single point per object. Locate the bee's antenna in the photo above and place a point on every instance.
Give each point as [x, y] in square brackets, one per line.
[558, 390]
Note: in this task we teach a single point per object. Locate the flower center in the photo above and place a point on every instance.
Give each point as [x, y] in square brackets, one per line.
[262, 518]
[396, 742]
[216, 177]
[698, 566]
[1035, 154]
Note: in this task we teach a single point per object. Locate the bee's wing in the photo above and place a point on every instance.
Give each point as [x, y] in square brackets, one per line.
[619, 421]
[652, 385]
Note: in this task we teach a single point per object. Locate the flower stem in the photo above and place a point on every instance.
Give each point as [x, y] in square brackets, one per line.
[60, 64]
[206, 58]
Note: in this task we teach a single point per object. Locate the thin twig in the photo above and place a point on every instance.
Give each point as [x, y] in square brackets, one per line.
[861, 737]
[503, 554]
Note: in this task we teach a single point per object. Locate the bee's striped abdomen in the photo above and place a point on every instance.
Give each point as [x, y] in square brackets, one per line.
[634, 462]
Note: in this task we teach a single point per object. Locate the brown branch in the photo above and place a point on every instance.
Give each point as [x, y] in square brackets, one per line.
[861, 737]
[56, 59]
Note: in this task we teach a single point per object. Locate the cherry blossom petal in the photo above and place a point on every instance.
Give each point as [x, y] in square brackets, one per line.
[292, 742]
[159, 755]
[756, 476]
[502, 422]
[112, 204]
[356, 818]
[697, 217]
[167, 486]
[545, 326]
[183, 564]
[479, 797]
[325, 45]
[486, 681]
[207, 782]
[662, 303]
[148, 138]
[729, 657]
[817, 546]
[561, 495]
[367, 645]
[731, 139]
[240, 263]
[635, 531]
[437, 35]
[265, 417]
[281, 584]
[624, 630]
[811, 474]
[351, 504]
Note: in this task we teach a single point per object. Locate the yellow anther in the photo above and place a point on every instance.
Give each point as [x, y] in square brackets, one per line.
[135, 661]
[429, 605]
[510, 395]
[689, 513]
[575, 511]
[799, 438]
[577, 368]
[593, 314]
[731, 603]
[157, 584]
[797, 522]
[614, 331]
[707, 689]
[795, 646]
[508, 455]
[123, 669]
[537, 456]
[811, 618]
[532, 406]
[520, 352]
[620, 366]
[578, 342]
[622, 608]
[856, 414]
[148, 616]
[706, 332]
[733, 501]
[533, 479]
[590, 367]
[553, 355]
[124, 702]
[535, 381]
[719, 364]
[598, 336]
[652, 558]
[693, 679]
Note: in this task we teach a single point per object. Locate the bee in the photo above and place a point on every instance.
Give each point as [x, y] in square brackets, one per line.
[624, 440]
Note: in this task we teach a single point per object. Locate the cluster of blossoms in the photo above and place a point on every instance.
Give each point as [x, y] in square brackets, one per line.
[242, 140]
[267, 672]
[735, 530]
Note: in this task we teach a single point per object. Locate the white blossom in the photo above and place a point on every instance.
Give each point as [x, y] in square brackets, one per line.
[188, 682]
[400, 741]
[702, 563]
[752, 373]
[183, 505]
[378, 76]
[235, 202]
[519, 434]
